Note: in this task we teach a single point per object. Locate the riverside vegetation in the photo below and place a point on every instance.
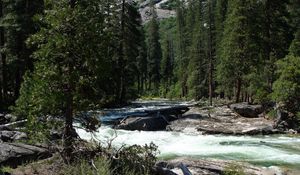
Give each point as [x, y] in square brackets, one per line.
[60, 59]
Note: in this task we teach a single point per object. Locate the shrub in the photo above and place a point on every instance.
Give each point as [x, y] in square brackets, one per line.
[234, 169]
[136, 159]
[99, 166]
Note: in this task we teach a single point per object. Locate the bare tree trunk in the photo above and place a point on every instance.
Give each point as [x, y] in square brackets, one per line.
[120, 64]
[238, 90]
[68, 130]
[3, 88]
[210, 57]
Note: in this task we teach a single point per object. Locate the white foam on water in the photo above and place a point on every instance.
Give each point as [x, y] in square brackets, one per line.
[244, 148]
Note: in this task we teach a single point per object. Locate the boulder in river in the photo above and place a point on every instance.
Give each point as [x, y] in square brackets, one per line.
[247, 110]
[154, 122]
[14, 154]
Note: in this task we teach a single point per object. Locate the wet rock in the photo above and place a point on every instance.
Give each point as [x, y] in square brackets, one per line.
[247, 110]
[14, 154]
[149, 123]
[209, 166]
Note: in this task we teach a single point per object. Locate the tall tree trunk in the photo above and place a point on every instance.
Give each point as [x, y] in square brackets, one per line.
[267, 31]
[3, 88]
[210, 55]
[68, 130]
[18, 79]
[120, 64]
[238, 90]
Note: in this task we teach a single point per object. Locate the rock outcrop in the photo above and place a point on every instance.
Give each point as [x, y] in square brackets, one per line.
[247, 110]
[14, 154]
[9, 136]
[149, 123]
[221, 120]
[152, 119]
[209, 166]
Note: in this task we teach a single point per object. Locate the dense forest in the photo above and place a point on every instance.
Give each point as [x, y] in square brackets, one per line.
[59, 58]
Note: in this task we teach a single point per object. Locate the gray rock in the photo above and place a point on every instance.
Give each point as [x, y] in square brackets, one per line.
[149, 123]
[14, 154]
[3, 119]
[247, 110]
[209, 166]
[8, 136]
[221, 120]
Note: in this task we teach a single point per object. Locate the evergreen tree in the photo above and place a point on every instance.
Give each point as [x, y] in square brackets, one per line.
[238, 50]
[167, 64]
[17, 25]
[275, 28]
[3, 80]
[220, 17]
[197, 79]
[182, 60]
[154, 51]
[70, 65]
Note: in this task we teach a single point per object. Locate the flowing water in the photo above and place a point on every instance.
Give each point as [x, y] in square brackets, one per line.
[274, 150]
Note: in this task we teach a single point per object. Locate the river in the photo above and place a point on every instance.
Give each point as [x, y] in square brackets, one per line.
[267, 151]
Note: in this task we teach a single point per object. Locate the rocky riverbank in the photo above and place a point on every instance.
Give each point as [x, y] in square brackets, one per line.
[236, 119]
[185, 165]
[221, 120]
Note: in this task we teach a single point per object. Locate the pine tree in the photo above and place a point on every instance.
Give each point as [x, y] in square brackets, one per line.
[70, 65]
[182, 48]
[238, 50]
[17, 24]
[197, 79]
[211, 48]
[154, 51]
[275, 28]
[3, 80]
[220, 17]
[167, 64]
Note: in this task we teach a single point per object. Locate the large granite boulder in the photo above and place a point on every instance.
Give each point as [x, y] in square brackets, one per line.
[221, 120]
[247, 110]
[149, 123]
[14, 154]
[9, 136]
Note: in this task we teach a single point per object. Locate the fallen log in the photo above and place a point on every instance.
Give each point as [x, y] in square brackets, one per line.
[14, 123]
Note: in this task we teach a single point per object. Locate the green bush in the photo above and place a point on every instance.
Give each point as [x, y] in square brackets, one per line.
[135, 160]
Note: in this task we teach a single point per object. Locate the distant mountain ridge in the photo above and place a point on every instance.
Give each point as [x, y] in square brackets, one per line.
[162, 12]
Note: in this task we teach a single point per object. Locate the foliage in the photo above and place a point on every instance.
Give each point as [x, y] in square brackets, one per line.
[234, 169]
[287, 86]
[99, 166]
[154, 52]
[136, 159]
[5, 169]
[17, 24]
[131, 160]
[169, 5]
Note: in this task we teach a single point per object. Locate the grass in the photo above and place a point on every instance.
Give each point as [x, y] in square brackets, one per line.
[5, 169]
[99, 166]
[234, 169]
